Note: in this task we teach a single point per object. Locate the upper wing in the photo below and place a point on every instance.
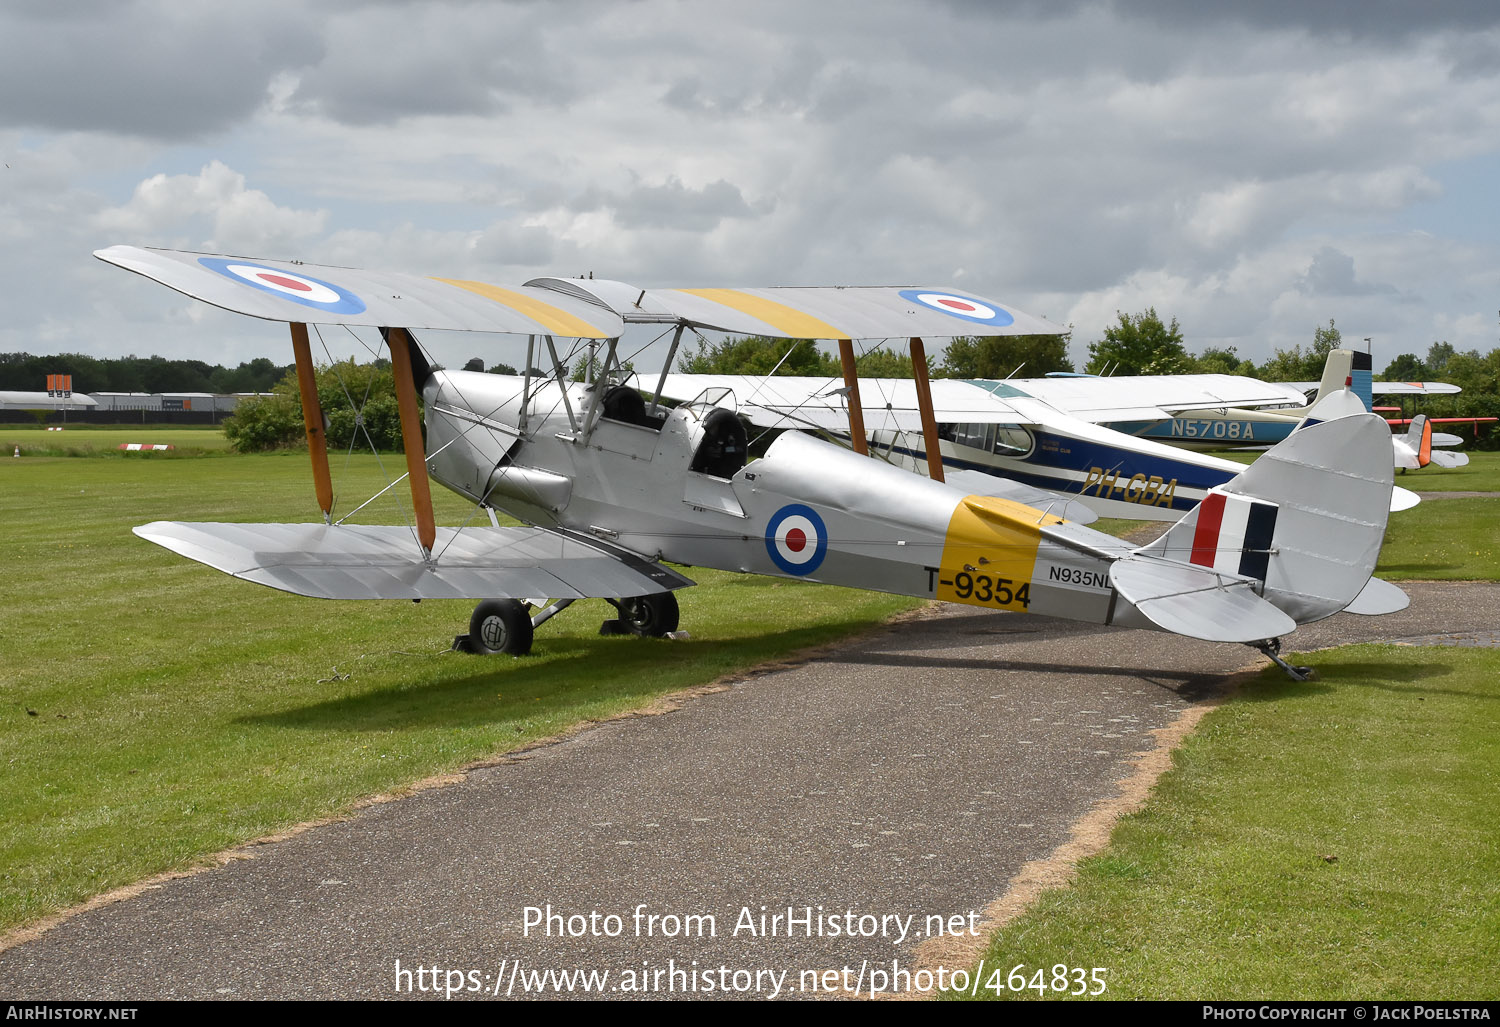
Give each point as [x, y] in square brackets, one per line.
[1414, 389]
[889, 404]
[865, 312]
[363, 561]
[1150, 397]
[1393, 388]
[280, 290]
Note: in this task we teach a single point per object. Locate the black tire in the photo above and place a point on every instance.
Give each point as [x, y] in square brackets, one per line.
[650, 616]
[500, 626]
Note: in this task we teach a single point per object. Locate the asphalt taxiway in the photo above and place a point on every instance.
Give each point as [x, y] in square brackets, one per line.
[906, 774]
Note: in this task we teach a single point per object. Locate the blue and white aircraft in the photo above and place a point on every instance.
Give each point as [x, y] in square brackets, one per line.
[1000, 438]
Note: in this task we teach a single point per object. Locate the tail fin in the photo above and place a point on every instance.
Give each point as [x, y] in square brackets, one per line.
[1306, 519]
[1338, 373]
[1414, 449]
[1362, 379]
[1419, 438]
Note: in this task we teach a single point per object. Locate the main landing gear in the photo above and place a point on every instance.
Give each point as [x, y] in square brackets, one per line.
[507, 625]
[1271, 649]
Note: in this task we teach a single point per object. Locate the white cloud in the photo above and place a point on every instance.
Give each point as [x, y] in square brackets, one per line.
[1252, 174]
[236, 218]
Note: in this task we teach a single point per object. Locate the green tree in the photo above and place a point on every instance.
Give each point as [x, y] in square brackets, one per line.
[1325, 340]
[758, 354]
[1139, 344]
[1408, 367]
[1293, 365]
[1438, 355]
[886, 363]
[1221, 361]
[1475, 374]
[275, 421]
[1001, 356]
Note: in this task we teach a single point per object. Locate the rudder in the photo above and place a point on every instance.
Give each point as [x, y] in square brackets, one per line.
[1307, 518]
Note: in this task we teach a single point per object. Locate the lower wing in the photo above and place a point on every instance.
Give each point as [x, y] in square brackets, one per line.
[364, 561]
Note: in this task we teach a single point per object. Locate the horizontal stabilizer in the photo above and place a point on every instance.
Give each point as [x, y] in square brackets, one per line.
[977, 483]
[1378, 597]
[1403, 499]
[365, 561]
[1445, 459]
[1197, 601]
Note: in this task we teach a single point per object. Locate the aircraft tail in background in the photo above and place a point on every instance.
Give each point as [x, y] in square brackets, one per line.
[1415, 449]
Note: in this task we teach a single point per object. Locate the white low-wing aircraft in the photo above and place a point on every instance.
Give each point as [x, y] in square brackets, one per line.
[998, 438]
[615, 485]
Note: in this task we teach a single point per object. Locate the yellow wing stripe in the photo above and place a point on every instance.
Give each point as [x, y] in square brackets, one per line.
[778, 315]
[989, 553]
[554, 319]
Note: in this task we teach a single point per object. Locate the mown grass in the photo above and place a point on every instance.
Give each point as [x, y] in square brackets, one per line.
[153, 711]
[1323, 840]
[1481, 474]
[91, 440]
[1443, 540]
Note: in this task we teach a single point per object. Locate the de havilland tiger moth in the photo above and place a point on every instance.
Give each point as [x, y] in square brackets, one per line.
[613, 484]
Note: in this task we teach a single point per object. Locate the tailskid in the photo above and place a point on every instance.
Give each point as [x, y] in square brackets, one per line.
[1271, 649]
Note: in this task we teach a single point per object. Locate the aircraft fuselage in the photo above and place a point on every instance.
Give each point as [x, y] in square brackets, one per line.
[807, 509]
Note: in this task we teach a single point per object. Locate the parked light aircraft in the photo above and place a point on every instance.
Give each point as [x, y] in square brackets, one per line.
[614, 486]
[1414, 450]
[1199, 411]
[1278, 407]
[996, 436]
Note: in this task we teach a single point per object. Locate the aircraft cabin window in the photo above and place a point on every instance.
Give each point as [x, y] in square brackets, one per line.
[971, 435]
[1010, 439]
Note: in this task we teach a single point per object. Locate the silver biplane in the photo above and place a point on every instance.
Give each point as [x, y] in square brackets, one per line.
[615, 484]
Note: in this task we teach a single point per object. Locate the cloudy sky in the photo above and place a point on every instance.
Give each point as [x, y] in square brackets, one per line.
[1252, 173]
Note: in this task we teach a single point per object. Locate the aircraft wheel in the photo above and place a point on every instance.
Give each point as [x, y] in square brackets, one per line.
[652, 616]
[501, 626]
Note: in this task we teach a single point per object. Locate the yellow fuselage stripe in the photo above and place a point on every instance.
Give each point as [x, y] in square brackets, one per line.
[778, 315]
[989, 553]
[555, 320]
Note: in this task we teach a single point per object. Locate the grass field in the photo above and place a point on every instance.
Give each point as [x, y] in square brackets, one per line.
[153, 710]
[1443, 540]
[1221, 887]
[1481, 475]
[1321, 840]
[105, 439]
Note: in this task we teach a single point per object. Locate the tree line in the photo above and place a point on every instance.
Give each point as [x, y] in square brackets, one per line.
[23, 372]
[1136, 344]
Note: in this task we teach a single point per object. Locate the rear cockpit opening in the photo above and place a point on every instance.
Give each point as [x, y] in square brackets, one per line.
[722, 451]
